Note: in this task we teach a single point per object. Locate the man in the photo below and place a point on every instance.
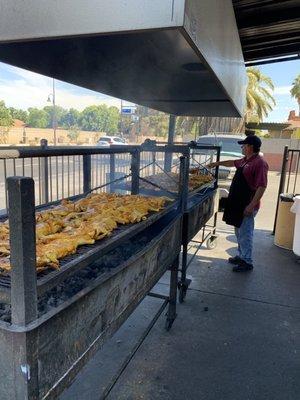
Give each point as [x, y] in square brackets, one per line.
[247, 189]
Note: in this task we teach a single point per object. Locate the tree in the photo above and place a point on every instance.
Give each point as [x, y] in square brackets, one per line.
[100, 118]
[37, 118]
[259, 98]
[73, 134]
[112, 121]
[295, 91]
[70, 119]
[22, 115]
[6, 121]
[59, 115]
[90, 119]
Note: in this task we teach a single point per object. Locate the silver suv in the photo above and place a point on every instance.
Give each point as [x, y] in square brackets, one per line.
[230, 149]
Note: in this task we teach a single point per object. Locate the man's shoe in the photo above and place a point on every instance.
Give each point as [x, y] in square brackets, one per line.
[234, 260]
[242, 267]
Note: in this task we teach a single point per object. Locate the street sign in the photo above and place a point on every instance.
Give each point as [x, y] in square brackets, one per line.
[128, 110]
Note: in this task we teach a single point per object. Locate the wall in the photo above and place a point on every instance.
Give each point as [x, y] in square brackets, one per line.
[273, 151]
[34, 135]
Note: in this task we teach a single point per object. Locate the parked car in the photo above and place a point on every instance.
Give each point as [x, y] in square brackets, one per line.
[113, 140]
[103, 143]
[230, 149]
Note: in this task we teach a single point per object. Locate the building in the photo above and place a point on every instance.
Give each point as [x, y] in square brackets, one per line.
[293, 130]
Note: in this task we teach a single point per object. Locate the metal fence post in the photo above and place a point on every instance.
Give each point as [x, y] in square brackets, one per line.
[135, 170]
[44, 174]
[87, 169]
[285, 160]
[183, 182]
[22, 249]
[153, 162]
[112, 171]
[217, 167]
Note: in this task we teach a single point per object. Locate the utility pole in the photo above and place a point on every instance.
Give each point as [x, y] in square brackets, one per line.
[54, 122]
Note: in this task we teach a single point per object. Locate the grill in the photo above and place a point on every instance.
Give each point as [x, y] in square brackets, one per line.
[53, 323]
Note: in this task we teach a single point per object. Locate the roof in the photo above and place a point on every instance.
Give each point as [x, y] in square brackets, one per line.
[268, 28]
[223, 135]
[18, 123]
[293, 125]
[268, 125]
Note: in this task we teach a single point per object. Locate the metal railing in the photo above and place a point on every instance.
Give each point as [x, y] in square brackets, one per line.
[62, 172]
[289, 179]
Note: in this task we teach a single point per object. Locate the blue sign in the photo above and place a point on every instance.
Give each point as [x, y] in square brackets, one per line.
[128, 110]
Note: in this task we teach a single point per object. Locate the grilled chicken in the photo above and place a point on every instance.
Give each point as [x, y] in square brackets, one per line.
[62, 229]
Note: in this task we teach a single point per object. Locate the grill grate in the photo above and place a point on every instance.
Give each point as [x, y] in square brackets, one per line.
[100, 247]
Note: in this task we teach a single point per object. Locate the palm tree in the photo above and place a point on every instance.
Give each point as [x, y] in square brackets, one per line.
[259, 98]
[295, 91]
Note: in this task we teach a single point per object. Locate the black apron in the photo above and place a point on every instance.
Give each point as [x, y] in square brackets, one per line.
[240, 196]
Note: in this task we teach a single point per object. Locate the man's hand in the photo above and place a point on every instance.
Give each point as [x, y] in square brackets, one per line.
[211, 165]
[251, 207]
[227, 163]
[249, 210]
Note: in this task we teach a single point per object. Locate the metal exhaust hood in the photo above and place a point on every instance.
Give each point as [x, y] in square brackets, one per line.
[182, 57]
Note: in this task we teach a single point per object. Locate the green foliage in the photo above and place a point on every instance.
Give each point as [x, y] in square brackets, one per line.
[37, 118]
[295, 91]
[100, 118]
[151, 122]
[6, 118]
[70, 119]
[22, 115]
[259, 96]
[59, 115]
[73, 134]
[6, 121]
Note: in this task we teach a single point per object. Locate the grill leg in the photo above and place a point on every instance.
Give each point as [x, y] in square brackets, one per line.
[171, 314]
[215, 224]
[23, 286]
[184, 283]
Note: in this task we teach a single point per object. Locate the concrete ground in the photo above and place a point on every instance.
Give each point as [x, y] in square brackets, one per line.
[236, 337]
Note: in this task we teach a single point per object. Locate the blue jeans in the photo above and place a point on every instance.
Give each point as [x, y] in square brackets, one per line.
[244, 235]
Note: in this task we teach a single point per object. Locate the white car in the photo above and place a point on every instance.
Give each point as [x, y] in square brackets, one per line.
[102, 143]
[113, 140]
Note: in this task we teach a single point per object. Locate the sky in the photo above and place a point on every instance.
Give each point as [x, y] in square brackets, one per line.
[282, 75]
[23, 89]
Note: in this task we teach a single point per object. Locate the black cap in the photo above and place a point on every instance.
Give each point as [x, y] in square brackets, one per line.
[252, 140]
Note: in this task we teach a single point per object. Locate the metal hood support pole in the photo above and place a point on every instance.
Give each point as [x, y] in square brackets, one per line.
[171, 133]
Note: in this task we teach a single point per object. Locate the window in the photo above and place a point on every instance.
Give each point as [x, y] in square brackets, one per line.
[105, 139]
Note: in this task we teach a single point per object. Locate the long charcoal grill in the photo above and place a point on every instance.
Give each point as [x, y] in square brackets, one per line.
[41, 354]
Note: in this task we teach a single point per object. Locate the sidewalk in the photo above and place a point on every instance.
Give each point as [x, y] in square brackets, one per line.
[235, 338]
